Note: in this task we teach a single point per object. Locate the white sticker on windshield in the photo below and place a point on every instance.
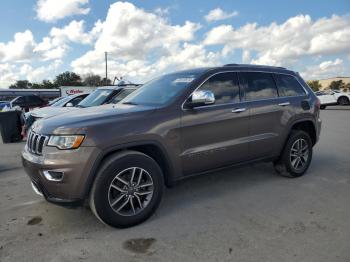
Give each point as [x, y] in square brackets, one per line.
[184, 80]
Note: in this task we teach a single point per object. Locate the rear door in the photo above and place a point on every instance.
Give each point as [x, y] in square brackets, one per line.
[266, 112]
[215, 135]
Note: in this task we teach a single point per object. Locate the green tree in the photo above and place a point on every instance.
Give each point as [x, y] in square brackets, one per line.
[336, 85]
[68, 79]
[21, 84]
[314, 84]
[104, 83]
[347, 87]
[92, 80]
[47, 84]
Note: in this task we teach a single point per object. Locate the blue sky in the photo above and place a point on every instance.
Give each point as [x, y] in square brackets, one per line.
[148, 38]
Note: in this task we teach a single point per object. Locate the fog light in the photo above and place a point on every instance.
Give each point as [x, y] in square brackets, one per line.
[55, 176]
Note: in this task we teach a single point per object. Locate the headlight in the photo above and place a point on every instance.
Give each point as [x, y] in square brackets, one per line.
[65, 141]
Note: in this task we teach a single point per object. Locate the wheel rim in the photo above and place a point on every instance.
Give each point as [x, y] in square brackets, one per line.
[343, 101]
[299, 154]
[130, 191]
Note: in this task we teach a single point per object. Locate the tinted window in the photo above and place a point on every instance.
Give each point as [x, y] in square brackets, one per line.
[258, 86]
[288, 86]
[224, 86]
[96, 98]
[77, 100]
[61, 102]
[18, 100]
[121, 95]
[33, 99]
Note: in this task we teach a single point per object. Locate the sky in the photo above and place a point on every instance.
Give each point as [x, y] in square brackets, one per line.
[42, 38]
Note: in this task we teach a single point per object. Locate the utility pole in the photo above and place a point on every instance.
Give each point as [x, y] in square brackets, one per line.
[106, 68]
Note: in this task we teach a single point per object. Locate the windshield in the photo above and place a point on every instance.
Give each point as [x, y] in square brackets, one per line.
[96, 98]
[61, 102]
[160, 91]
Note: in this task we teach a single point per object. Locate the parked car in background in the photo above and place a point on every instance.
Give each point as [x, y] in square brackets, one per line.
[4, 104]
[332, 98]
[54, 100]
[119, 157]
[28, 102]
[102, 95]
[69, 101]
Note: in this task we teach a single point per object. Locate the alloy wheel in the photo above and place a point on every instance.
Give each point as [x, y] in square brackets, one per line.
[299, 154]
[130, 191]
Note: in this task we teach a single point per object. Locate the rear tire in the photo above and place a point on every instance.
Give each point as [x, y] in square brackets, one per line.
[322, 107]
[343, 101]
[127, 190]
[296, 155]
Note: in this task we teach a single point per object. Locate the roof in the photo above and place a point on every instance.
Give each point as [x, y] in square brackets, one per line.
[237, 67]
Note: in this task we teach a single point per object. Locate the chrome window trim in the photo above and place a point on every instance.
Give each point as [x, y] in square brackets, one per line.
[248, 71]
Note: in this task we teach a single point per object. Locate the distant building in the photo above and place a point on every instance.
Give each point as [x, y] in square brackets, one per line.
[326, 82]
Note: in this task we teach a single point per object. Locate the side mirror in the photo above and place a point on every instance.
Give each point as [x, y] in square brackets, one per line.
[201, 98]
[69, 104]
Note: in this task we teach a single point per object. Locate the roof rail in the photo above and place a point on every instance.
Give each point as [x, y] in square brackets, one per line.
[231, 65]
[250, 65]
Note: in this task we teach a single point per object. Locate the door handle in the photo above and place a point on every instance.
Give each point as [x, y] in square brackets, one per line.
[284, 104]
[238, 110]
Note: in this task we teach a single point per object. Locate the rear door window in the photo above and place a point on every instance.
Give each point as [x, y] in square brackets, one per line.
[258, 86]
[288, 86]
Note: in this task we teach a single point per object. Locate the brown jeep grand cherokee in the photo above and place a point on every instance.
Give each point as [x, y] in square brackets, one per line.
[119, 157]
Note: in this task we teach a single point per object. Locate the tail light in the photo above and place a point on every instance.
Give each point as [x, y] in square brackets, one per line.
[318, 103]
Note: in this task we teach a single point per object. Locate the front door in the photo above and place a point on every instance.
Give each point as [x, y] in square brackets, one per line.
[215, 135]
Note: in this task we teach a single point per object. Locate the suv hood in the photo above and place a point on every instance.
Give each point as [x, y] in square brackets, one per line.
[51, 111]
[81, 120]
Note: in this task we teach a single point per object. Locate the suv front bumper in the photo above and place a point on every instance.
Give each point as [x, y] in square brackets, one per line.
[75, 165]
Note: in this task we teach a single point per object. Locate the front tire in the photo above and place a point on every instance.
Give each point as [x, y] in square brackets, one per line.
[127, 190]
[322, 107]
[296, 155]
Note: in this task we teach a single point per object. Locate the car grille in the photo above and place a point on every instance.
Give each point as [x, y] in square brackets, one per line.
[36, 142]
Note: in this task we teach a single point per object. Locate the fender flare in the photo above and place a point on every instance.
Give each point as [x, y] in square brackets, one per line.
[168, 178]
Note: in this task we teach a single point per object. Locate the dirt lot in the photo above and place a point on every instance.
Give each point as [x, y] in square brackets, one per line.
[243, 214]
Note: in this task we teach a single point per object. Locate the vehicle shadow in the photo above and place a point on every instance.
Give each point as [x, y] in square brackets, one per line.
[335, 108]
[201, 189]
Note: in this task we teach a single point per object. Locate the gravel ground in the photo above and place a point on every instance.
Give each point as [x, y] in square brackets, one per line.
[243, 214]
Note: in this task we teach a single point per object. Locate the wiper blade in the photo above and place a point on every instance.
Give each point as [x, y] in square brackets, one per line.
[130, 103]
[80, 106]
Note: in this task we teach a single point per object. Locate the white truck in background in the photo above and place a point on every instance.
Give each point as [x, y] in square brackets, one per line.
[73, 90]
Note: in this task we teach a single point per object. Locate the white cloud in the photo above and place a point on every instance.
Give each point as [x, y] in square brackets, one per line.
[56, 45]
[131, 33]
[325, 69]
[283, 44]
[219, 14]
[53, 10]
[7, 74]
[20, 49]
[245, 56]
[142, 43]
